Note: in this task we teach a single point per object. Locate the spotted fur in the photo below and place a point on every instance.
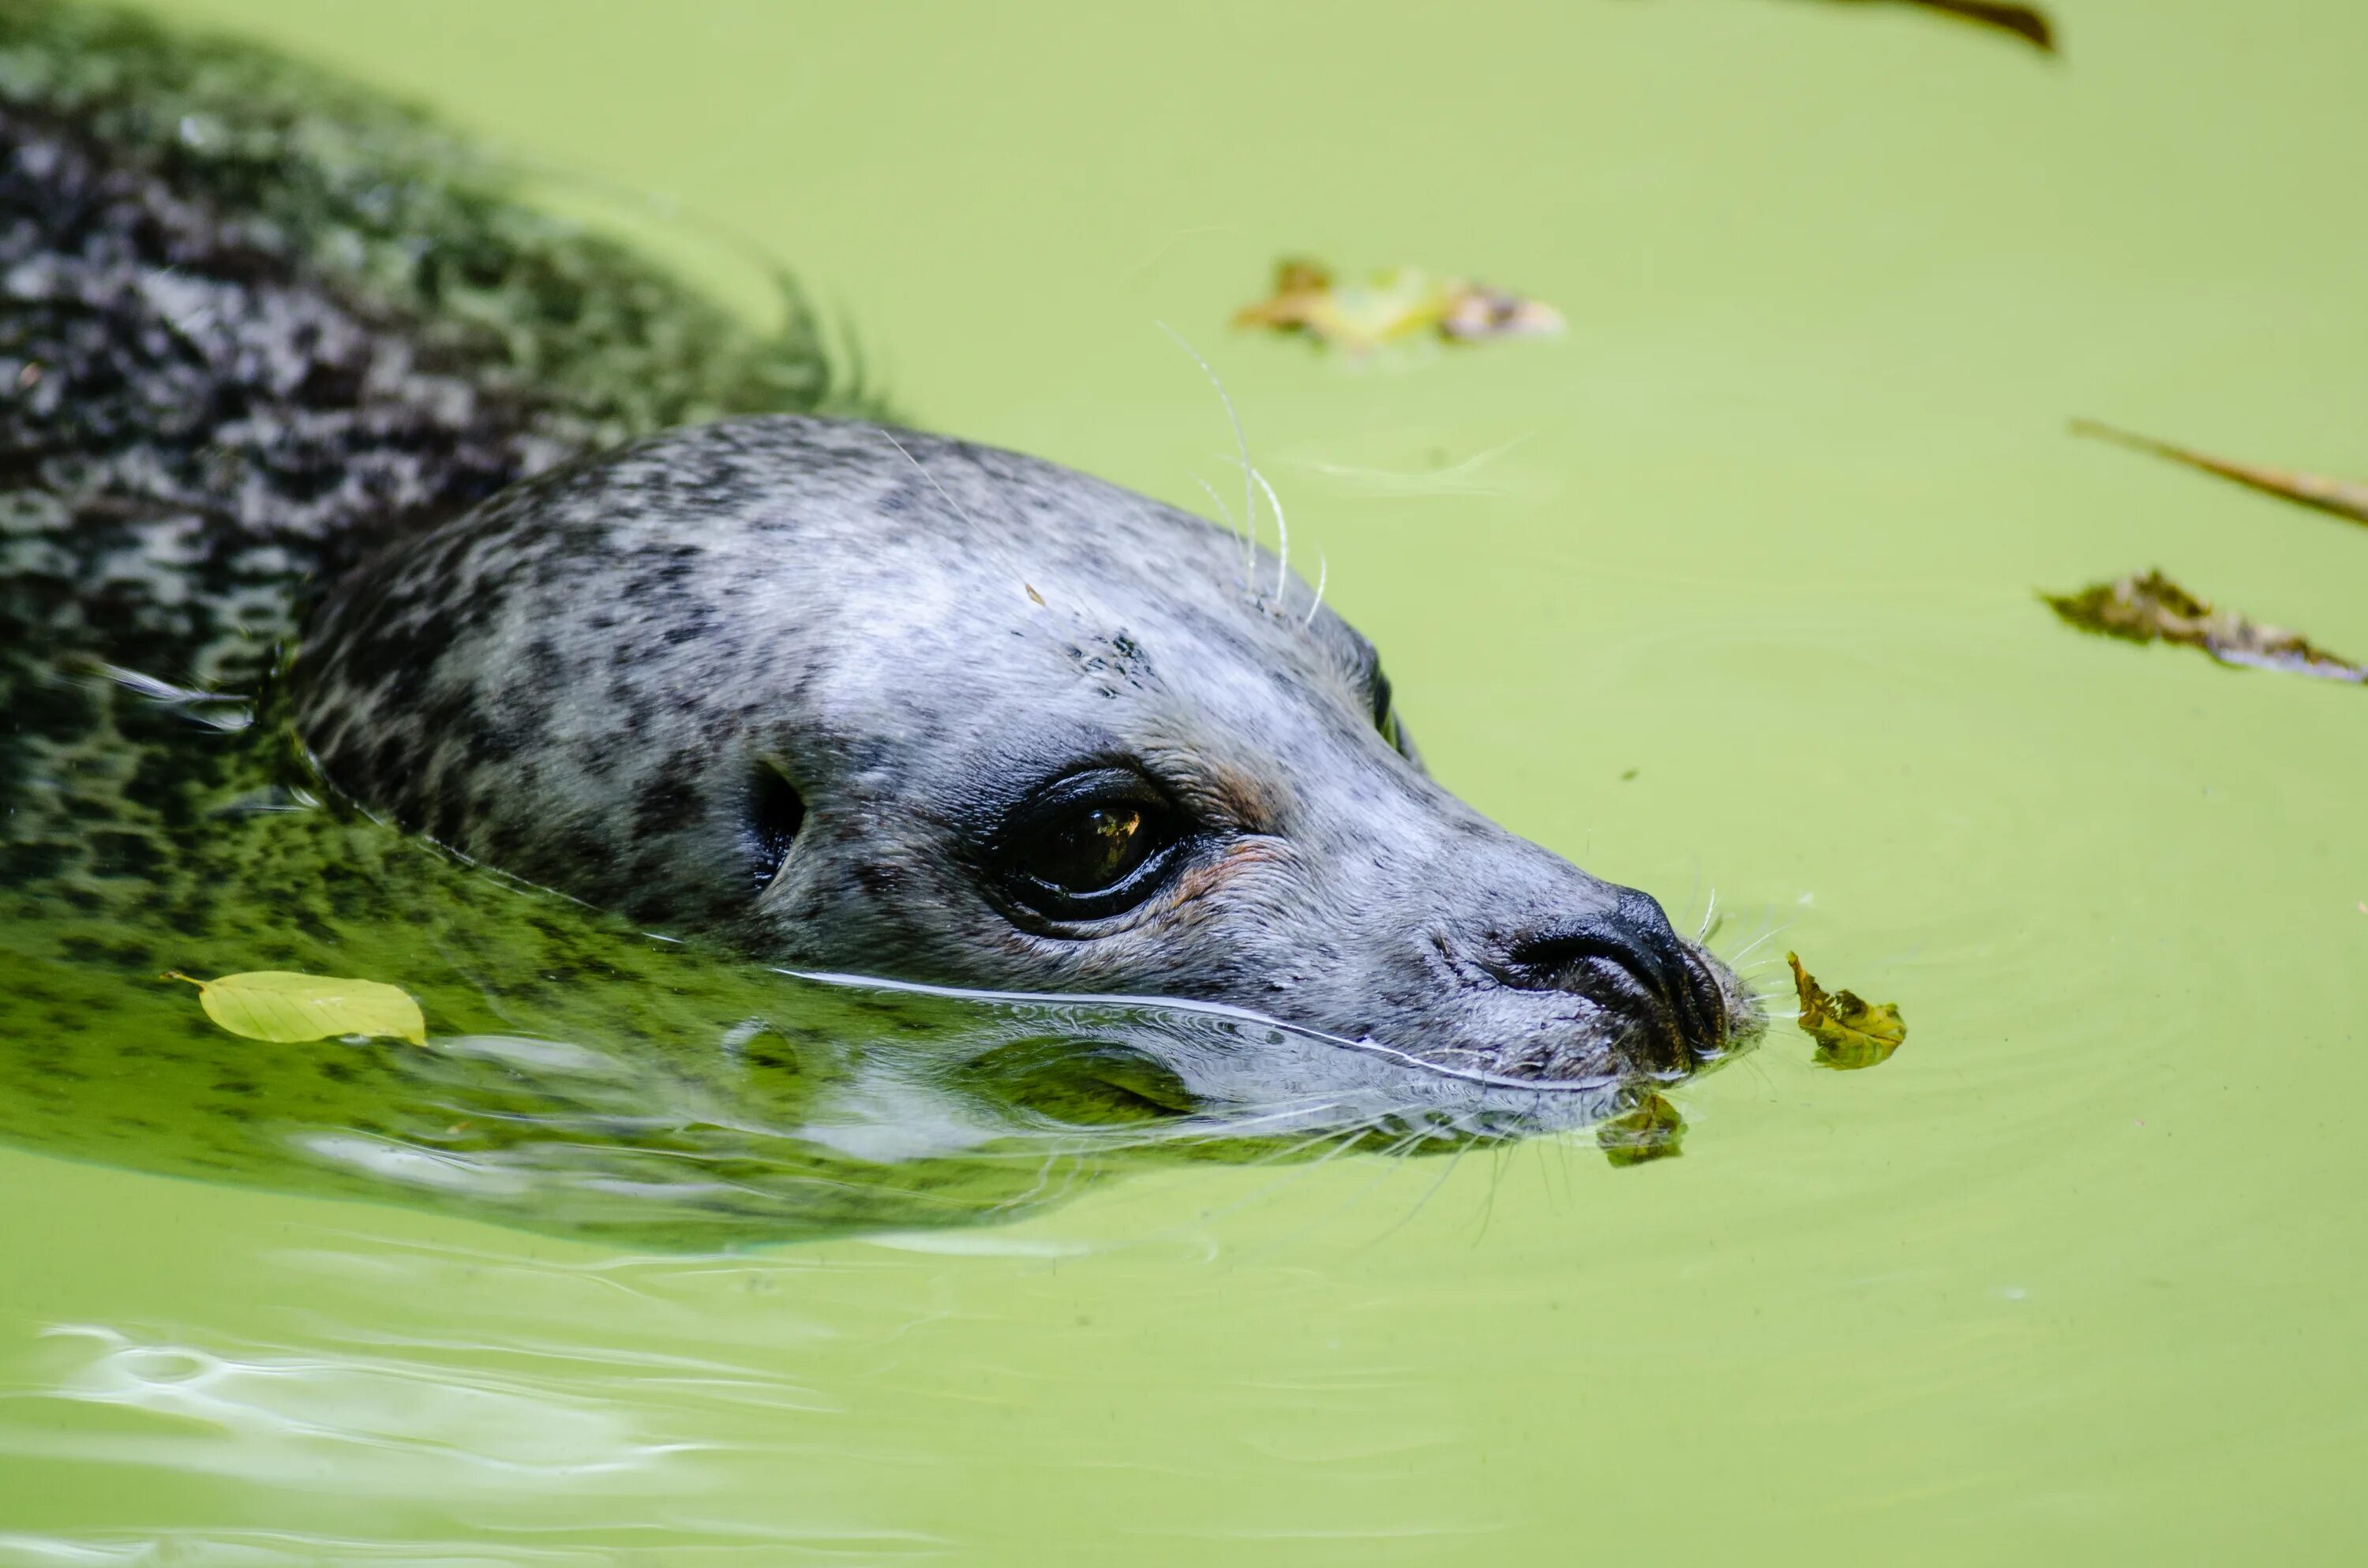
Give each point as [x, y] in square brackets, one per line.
[254, 323]
[584, 680]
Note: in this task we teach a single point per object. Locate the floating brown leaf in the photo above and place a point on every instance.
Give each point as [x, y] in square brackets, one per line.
[1404, 303]
[2344, 500]
[2026, 22]
[1653, 1131]
[2151, 608]
[1851, 1032]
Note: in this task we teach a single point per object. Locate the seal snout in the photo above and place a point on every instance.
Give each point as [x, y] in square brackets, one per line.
[1627, 958]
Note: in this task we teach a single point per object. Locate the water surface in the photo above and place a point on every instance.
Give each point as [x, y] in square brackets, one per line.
[1729, 589]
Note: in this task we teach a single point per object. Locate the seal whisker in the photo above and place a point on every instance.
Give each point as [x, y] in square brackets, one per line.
[1241, 575]
[1323, 571]
[1773, 930]
[1392, 1157]
[1347, 1143]
[1282, 535]
[1281, 538]
[960, 510]
[1453, 1163]
[1249, 497]
[1217, 501]
[1298, 1171]
[1288, 1154]
[1398, 1148]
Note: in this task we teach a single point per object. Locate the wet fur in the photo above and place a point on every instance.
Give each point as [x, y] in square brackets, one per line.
[586, 681]
[254, 323]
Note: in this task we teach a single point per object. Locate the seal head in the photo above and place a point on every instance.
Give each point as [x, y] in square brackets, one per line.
[858, 700]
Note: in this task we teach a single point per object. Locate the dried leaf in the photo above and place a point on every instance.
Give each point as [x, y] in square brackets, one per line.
[2151, 608]
[289, 1009]
[1653, 1131]
[2026, 22]
[1851, 1032]
[1358, 318]
[2345, 500]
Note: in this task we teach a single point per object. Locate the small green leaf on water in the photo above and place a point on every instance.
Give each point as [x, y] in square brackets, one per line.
[1653, 1131]
[1851, 1032]
[2345, 500]
[2149, 607]
[289, 1009]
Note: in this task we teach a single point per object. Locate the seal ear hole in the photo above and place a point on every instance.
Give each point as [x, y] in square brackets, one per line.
[774, 813]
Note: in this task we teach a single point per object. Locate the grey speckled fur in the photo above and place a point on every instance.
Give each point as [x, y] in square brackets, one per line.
[589, 681]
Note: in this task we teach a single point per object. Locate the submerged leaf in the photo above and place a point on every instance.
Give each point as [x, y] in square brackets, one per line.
[1851, 1032]
[2150, 608]
[2345, 500]
[1403, 302]
[289, 1009]
[1653, 1131]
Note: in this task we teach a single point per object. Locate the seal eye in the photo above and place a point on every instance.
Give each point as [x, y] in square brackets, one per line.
[1092, 851]
[1093, 846]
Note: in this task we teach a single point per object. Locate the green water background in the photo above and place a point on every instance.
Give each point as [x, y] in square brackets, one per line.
[2077, 1273]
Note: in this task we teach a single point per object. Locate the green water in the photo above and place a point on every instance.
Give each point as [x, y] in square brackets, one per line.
[2076, 1273]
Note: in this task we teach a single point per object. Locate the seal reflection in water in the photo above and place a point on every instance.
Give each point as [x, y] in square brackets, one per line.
[857, 699]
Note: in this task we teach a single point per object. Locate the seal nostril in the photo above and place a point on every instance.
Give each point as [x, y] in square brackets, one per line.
[1554, 960]
[1631, 948]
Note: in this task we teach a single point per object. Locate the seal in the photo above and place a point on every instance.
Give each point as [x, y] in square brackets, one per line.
[858, 698]
[593, 585]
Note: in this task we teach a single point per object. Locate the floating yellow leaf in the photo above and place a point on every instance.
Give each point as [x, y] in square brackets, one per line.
[1653, 1131]
[1403, 302]
[2307, 489]
[1849, 1032]
[289, 1009]
[2145, 609]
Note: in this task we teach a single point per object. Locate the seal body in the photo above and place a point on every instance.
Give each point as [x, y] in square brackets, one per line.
[254, 323]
